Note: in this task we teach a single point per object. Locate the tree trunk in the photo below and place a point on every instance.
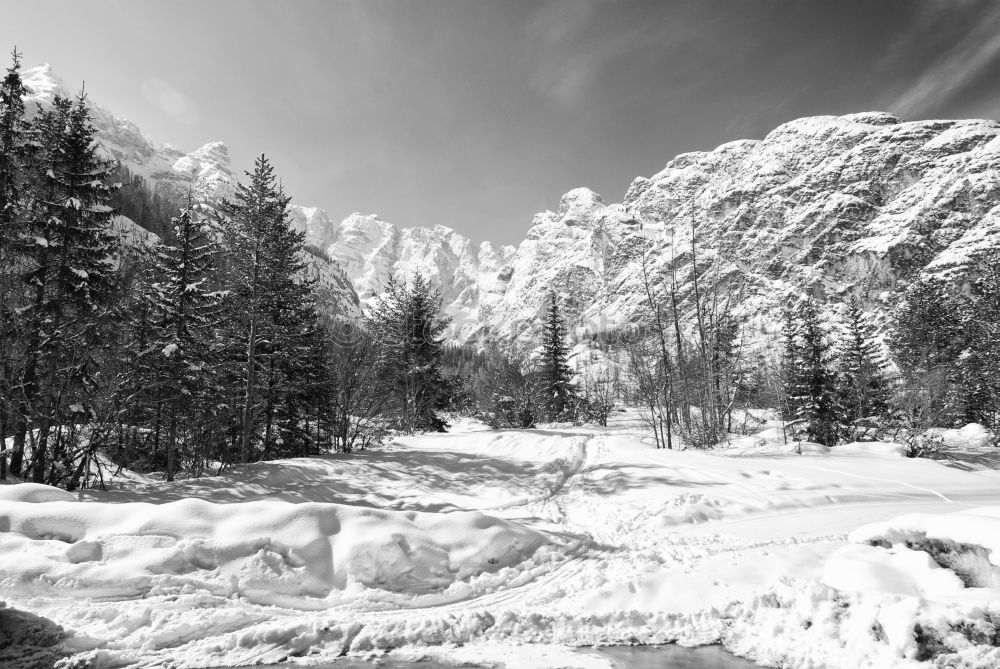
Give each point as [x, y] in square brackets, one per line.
[250, 395]
[171, 443]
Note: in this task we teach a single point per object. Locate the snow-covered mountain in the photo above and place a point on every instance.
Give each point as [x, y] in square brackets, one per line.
[206, 173]
[830, 206]
[827, 206]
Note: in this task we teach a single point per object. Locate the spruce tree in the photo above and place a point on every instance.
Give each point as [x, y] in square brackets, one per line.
[184, 311]
[407, 330]
[863, 389]
[927, 340]
[70, 278]
[14, 150]
[270, 310]
[558, 391]
[810, 383]
[979, 366]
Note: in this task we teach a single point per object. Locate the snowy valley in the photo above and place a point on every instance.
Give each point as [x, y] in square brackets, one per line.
[754, 404]
[511, 548]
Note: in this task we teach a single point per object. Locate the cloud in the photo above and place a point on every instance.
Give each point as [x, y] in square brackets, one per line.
[562, 70]
[957, 68]
[165, 97]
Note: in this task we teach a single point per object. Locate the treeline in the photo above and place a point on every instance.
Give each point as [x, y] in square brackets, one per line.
[698, 375]
[206, 348]
[943, 367]
[511, 392]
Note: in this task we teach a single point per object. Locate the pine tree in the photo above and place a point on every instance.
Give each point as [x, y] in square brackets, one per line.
[184, 316]
[862, 386]
[70, 278]
[558, 390]
[927, 340]
[810, 384]
[979, 366]
[407, 329]
[271, 311]
[14, 150]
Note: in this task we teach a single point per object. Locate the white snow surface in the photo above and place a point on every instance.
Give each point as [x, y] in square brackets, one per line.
[486, 546]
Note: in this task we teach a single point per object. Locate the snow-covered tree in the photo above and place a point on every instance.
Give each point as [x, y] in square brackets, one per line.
[810, 384]
[70, 258]
[407, 329]
[270, 312]
[14, 149]
[558, 392]
[175, 362]
[862, 384]
[927, 340]
[980, 362]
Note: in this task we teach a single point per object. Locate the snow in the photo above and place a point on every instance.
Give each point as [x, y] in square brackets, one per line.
[483, 546]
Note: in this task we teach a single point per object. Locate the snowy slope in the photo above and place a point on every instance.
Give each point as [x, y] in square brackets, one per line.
[514, 544]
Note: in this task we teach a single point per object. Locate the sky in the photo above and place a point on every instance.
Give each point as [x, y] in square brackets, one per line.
[478, 114]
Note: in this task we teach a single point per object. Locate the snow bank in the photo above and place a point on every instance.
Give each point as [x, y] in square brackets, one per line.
[967, 542]
[770, 442]
[972, 435]
[917, 588]
[883, 449]
[34, 492]
[265, 550]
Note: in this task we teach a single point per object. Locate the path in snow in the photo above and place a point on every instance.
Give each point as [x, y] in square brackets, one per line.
[600, 540]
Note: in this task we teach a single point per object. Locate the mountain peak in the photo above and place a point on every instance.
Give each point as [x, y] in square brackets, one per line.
[42, 81]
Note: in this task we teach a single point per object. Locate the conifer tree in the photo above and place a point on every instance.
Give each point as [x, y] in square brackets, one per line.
[927, 340]
[70, 278]
[14, 149]
[407, 330]
[558, 391]
[271, 310]
[863, 388]
[979, 366]
[810, 384]
[184, 311]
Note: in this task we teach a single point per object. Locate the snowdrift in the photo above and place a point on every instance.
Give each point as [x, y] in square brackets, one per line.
[264, 551]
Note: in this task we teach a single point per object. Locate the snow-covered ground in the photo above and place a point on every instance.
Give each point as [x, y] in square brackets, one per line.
[512, 547]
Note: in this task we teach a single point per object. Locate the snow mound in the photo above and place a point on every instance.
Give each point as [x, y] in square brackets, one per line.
[267, 551]
[883, 449]
[34, 492]
[967, 542]
[769, 442]
[972, 435]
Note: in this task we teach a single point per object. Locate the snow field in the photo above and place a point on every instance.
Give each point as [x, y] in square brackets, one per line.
[484, 546]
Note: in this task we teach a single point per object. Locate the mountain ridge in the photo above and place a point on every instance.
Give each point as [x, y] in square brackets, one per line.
[827, 206]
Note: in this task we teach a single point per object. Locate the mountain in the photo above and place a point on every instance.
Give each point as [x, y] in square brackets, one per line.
[206, 173]
[829, 206]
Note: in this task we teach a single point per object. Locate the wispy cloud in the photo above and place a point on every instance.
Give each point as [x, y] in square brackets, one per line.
[570, 43]
[956, 68]
[561, 71]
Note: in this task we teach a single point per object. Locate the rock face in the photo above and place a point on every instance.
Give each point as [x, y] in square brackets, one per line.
[826, 206]
[830, 206]
[370, 250]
